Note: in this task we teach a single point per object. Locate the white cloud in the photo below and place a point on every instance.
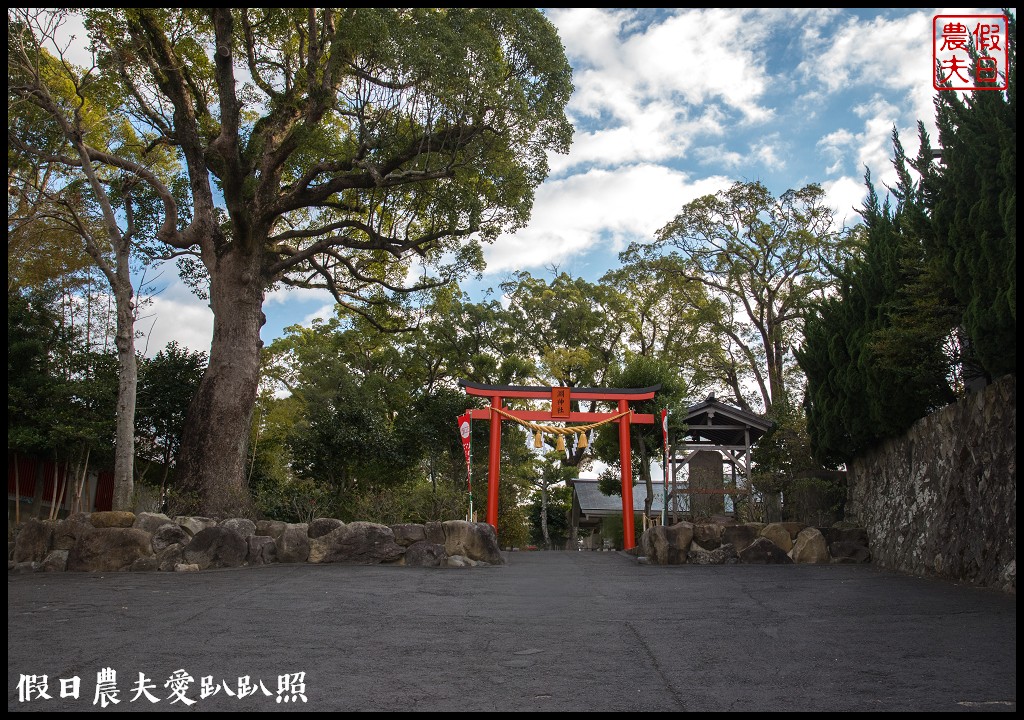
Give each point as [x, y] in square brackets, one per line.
[845, 196]
[175, 314]
[286, 294]
[598, 208]
[656, 90]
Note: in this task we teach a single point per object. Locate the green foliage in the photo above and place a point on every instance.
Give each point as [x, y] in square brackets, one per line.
[611, 529]
[758, 261]
[61, 397]
[874, 352]
[975, 211]
[167, 383]
[559, 505]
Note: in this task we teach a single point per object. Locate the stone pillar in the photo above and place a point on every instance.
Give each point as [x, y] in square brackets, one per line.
[706, 472]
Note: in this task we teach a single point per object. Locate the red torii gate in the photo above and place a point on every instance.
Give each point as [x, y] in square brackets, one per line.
[560, 400]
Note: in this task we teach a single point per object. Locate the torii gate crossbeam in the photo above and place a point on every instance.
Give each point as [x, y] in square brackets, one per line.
[497, 393]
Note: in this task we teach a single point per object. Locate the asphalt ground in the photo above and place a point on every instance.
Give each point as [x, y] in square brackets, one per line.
[555, 631]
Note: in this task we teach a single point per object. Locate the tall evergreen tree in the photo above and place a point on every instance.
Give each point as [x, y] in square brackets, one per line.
[976, 212]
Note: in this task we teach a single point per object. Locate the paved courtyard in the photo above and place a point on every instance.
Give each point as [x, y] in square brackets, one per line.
[548, 631]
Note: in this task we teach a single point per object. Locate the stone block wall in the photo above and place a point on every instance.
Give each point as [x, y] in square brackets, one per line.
[942, 500]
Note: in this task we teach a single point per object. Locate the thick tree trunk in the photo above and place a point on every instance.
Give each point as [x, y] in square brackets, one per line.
[127, 382]
[211, 461]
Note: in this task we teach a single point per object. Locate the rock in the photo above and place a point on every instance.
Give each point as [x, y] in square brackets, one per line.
[216, 547]
[323, 526]
[856, 535]
[270, 528]
[667, 545]
[242, 526]
[186, 567]
[55, 561]
[293, 543]
[145, 564]
[170, 534]
[425, 554]
[111, 549]
[810, 547]
[457, 561]
[262, 550]
[707, 535]
[194, 525]
[358, 543]
[793, 528]
[434, 533]
[764, 551]
[24, 567]
[170, 556]
[408, 533]
[778, 535]
[851, 552]
[844, 525]
[476, 541]
[739, 536]
[719, 556]
[67, 531]
[151, 522]
[34, 541]
[112, 519]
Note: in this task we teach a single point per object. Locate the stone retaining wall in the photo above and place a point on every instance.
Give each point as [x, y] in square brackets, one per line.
[783, 543]
[942, 499]
[122, 541]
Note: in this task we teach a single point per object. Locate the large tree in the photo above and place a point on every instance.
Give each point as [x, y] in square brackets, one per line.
[757, 261]
[78, 177]
[333, 148]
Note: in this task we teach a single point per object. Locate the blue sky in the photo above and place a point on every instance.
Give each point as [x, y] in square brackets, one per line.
[673, 104]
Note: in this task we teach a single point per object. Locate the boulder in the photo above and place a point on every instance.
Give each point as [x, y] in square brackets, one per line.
[34, 541]
[262, 550]
[463, 561]
[408, 533]
[271, 528]
[434, 533]
[476, 541]
[323, 526]
[739, 536]
[810, 547]
[779, 535]
[193, 525]
[707, 535]
[358, 543]
[110, 549]
[170, 556]
[170, 534]
[794, 528]
[764, 551]
[186, 567]
[216, 547]
[724, 554]
[242, 526]
[23, 567]
[667, 545]
[151, 522]
[293, 543]
[67, 531]
[147, 563]
[55, 561]
[112, 519]
[849, 552]
[425, 554]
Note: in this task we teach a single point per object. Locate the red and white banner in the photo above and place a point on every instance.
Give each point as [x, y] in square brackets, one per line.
[464, 433]
[664, 430]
